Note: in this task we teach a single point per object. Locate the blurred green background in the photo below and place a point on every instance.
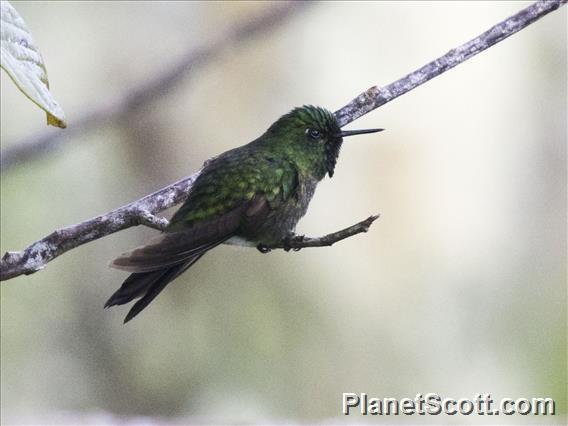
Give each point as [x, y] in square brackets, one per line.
[459, 288]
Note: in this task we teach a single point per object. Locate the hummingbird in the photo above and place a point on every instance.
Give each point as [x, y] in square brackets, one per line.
[253, 195]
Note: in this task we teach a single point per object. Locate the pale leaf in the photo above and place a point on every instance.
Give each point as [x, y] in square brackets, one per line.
[21, 59]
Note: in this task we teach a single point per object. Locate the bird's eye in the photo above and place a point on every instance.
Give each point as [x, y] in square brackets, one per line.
[315, 134]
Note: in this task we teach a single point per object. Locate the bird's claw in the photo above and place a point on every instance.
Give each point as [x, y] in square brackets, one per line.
[263, 248]
[288, 244]
[291, 240]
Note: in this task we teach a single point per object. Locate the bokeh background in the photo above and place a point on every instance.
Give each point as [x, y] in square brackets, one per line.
[459, 288]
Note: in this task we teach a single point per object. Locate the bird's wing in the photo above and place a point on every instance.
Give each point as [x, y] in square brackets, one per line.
[167, 256]
[172, 248]
[284, 184]
[257, 180]
[236, 178]
[231, 188]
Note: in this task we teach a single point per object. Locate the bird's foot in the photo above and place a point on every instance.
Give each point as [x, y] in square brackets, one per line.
[291, 240]
[263, 248]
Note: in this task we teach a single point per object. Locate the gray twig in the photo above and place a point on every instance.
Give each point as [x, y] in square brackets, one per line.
[37, 255]
[299, 242]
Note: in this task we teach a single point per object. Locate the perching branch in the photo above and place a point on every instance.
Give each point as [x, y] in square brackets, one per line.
[116, 112]
[143, 211]
[299, 242]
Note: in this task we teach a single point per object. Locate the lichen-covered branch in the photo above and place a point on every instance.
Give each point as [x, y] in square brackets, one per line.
[140, 212]
[143, 211]
[154, 89]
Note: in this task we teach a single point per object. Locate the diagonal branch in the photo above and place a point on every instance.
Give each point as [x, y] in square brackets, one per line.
[143, 211]
[48, 141]
[140, 212]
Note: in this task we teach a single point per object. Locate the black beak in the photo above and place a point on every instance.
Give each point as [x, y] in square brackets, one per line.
[345, 133]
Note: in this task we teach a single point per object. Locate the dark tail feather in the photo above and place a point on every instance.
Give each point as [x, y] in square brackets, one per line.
[146, 285]
[151, 293]
[134, 286]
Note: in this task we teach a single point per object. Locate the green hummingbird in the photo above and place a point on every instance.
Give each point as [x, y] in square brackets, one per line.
[251, 195]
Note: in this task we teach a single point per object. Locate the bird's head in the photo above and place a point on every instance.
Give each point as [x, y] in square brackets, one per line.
[312, 131]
